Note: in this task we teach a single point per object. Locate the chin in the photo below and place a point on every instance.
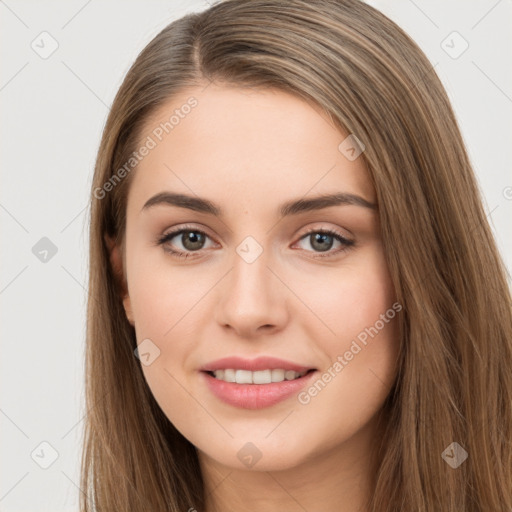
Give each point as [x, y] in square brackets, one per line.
[259, 455]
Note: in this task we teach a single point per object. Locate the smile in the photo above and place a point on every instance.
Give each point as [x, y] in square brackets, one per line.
[256, 390]
[256, 377]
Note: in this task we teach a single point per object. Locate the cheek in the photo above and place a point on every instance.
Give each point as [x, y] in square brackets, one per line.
[162, 297]
[358, 334]
[351, 299]
[165, 303]
[360, 357]
[162, 301]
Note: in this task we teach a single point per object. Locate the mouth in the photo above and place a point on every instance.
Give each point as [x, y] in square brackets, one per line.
[260, 389]
[260, 377]
[255, 383]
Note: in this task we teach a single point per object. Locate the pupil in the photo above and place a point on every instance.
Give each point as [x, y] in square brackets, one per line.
[192, 240]
[321, 237]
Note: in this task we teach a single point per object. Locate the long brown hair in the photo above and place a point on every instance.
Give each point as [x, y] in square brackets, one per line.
[454, 382]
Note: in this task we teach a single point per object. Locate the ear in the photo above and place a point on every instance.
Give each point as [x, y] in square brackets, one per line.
[116, 262]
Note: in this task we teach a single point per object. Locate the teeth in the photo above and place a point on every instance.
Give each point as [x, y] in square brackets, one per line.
[277, 375]
[243, 377]
[258, 377]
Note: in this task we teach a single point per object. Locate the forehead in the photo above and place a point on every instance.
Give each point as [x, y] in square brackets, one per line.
[252, 145]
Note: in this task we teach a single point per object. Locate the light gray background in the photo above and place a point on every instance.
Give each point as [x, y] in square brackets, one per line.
[53, 111]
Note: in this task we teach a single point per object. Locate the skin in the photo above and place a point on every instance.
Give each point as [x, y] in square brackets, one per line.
[249, 151]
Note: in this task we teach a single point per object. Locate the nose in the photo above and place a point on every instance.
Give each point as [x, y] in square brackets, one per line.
[252, 299]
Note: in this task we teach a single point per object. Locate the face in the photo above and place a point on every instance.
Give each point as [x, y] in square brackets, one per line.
[308, 286]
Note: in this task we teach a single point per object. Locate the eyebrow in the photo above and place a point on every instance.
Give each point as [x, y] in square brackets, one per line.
[292, 207]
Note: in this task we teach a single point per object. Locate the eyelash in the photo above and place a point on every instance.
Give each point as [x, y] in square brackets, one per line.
[347, 244]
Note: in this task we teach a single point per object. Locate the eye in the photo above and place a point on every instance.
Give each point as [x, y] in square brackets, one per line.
[192, 240]
[323, 240]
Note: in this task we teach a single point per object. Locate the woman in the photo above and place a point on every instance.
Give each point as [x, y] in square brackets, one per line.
[296, 300]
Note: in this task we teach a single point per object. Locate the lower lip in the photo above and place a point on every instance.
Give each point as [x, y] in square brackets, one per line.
[255, 396]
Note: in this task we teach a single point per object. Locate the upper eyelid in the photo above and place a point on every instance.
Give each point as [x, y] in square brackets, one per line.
[176, 231]
[314, 228]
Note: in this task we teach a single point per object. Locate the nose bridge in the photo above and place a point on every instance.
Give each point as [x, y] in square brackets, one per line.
[250, 278]
[251, 296]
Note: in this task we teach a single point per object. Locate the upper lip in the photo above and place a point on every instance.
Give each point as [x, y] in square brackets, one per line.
[260, 363]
